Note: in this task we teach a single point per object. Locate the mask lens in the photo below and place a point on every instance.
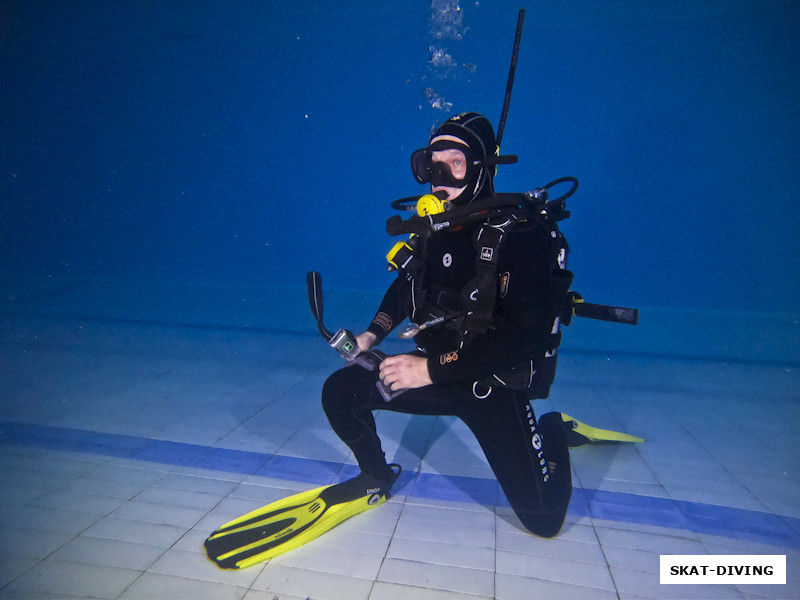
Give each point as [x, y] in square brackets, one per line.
[451, 160]
[421, 165]
[440, 164]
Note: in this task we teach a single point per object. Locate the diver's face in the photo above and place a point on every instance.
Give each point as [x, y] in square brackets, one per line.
[456, 162]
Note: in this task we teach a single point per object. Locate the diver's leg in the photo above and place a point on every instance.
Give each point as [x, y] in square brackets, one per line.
[350, 395]
[347, 399]
[530, 459]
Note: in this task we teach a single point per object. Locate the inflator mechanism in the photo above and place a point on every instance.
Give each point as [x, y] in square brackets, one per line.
[343, 341]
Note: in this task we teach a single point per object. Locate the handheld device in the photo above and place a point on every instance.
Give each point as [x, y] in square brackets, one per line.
[343, 341]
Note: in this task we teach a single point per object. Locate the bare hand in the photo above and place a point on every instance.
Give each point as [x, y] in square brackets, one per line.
[405, 371]
[366, 340]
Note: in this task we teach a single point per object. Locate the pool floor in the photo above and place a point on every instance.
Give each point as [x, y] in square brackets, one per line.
[133, 423]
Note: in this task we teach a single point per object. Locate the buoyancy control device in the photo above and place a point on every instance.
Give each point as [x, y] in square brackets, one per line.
[497, 216]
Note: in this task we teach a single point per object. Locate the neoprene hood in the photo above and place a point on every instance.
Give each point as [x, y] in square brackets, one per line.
[477, 134]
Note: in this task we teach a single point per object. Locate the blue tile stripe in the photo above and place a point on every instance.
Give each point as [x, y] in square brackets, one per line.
[723, 521]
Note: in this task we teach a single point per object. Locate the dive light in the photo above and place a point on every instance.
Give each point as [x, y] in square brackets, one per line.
[399, 256]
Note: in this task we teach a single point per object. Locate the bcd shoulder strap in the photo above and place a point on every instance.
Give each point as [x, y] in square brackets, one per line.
[480, 294]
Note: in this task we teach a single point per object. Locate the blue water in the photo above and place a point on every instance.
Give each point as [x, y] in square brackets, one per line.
[244, 143]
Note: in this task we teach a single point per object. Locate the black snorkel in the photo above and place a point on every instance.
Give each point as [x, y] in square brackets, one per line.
[501, 126]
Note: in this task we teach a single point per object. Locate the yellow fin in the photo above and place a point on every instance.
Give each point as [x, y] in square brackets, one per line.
[595, 434]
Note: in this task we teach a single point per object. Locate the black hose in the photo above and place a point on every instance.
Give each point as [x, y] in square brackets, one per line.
[476, 210]
[460, 215]
[314, 281]
[563, 198]
[407, 204]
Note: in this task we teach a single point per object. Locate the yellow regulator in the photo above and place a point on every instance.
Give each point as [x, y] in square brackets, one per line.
[430, 205]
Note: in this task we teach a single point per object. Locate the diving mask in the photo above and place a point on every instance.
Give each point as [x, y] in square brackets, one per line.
[452, 166]
[448, 172]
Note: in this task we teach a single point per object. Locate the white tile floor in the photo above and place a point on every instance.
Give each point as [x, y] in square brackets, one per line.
[134, 419]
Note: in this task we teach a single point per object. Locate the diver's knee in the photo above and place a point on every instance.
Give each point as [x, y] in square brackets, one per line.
[331, 390]
[340, 388]
[544, 525]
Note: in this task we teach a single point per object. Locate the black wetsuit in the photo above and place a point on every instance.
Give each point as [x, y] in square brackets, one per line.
[529, 459]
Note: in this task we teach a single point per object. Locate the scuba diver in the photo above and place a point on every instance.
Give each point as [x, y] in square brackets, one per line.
[482, 289]
[483, 281]
[484, 284]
